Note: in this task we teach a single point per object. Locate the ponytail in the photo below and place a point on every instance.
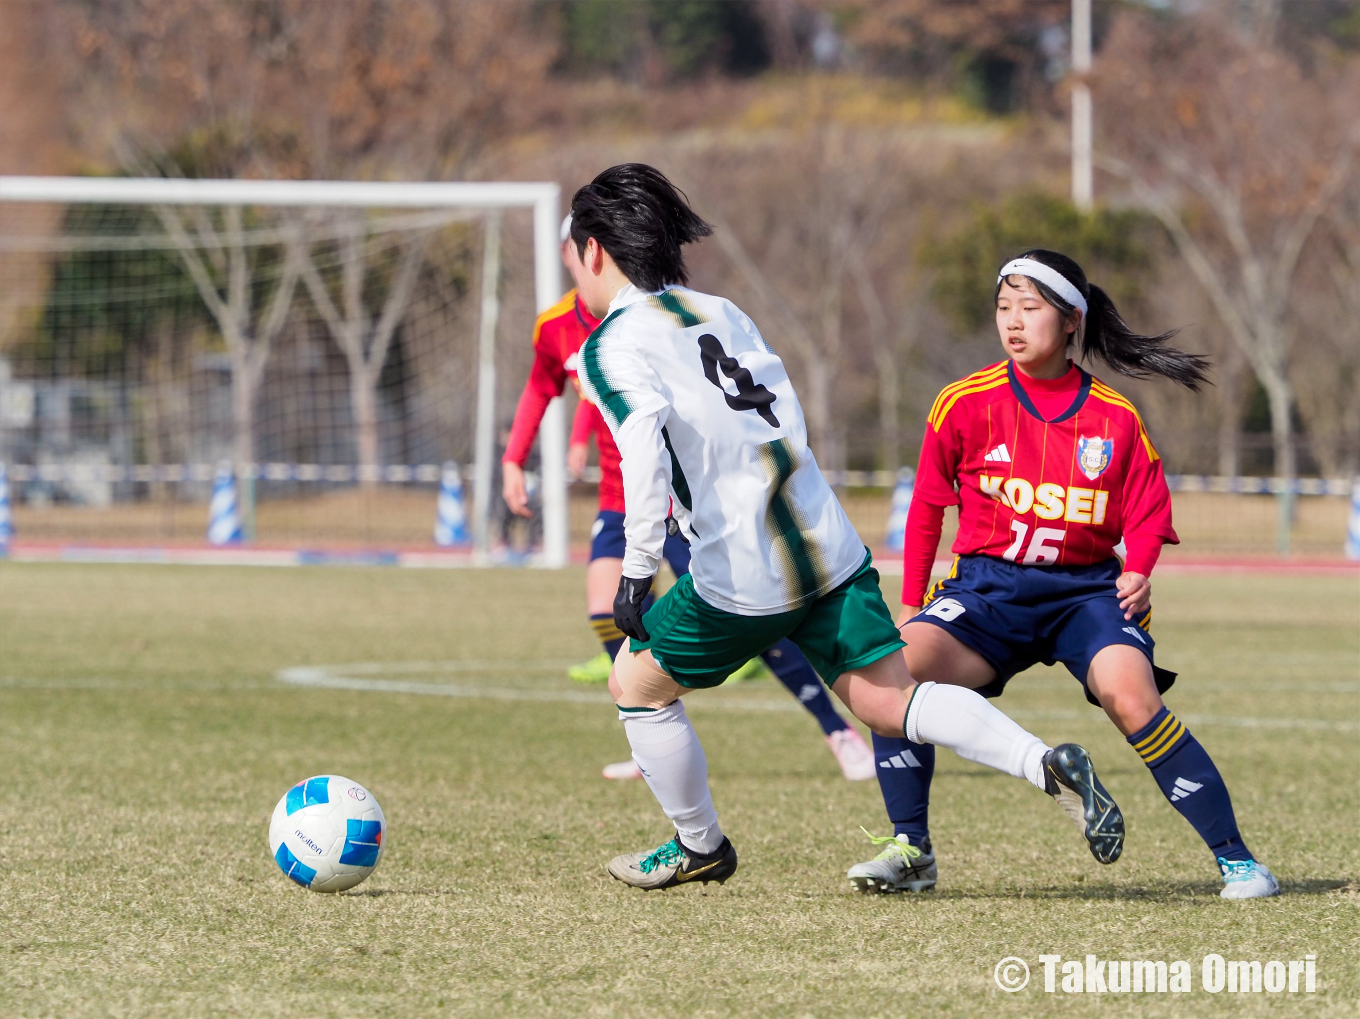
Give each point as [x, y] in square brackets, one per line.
[1105, 335]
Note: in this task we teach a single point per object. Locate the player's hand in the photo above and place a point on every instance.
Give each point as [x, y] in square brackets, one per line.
[628, 606]
[1135, 593]
[576, 458]
[908, 611]
[512, 488]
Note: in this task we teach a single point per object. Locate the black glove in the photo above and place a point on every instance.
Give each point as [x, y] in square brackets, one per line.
[628, 606]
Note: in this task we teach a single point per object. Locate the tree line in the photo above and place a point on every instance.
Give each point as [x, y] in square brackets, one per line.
[867, 164]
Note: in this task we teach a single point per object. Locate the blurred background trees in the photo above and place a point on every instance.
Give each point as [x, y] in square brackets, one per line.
[868, 164]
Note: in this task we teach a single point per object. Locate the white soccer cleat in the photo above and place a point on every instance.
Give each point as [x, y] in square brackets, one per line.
[622, 770]
[852, 754]
[900, 867]
[1247, 879]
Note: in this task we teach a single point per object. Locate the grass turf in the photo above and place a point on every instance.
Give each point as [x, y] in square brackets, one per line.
[147, 738]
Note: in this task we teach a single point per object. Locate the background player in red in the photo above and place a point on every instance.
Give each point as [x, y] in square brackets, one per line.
[1050, 468]
[558, 335]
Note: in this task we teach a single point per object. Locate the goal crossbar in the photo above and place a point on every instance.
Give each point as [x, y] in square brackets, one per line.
[542, 197]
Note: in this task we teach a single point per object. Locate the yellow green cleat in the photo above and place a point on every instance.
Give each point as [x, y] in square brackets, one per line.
[594, 671]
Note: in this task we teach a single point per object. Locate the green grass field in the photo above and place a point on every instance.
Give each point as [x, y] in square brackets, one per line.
[146, 738]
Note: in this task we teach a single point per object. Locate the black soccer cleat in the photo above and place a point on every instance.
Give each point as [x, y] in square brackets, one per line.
[1070, 778]
[672, 864]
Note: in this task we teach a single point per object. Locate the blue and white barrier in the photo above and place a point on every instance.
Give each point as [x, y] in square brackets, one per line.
[6, 514]
[1353, 524]
[224, 515]
[901, 505]
[450, 524]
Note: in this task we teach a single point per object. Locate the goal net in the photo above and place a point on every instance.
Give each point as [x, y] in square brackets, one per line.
[332, 345]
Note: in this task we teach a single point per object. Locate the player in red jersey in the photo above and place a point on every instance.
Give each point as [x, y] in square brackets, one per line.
[558, 335]
[1050, 468]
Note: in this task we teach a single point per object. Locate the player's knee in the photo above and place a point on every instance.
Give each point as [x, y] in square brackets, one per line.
[1130, 705]
[882, 708]
[615, 688]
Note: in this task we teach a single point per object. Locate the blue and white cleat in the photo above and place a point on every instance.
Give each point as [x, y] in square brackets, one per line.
[1247, 879]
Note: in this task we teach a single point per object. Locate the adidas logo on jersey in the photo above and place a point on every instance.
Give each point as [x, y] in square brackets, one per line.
[1000, 455]
[906, 759]
[1184, 788]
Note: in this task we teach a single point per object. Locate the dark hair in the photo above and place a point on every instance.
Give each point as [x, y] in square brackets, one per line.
[641, 219]
[1107, 336]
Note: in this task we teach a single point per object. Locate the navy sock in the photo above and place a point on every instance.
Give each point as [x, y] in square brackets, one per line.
[904, 773]
[1187, 777]
[609, 635]
[793, 670]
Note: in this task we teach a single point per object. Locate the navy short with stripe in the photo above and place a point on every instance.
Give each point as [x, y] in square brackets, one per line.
[607, 542]
[1018, 616]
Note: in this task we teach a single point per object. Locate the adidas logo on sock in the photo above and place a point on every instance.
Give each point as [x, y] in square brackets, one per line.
[1184, 788]
[906, 759]
[808, 692]
[999, 455]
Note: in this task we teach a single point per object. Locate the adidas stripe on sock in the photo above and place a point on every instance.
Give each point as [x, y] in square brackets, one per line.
[904, 773]
[1188, 778]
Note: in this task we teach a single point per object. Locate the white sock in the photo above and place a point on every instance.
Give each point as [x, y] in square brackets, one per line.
[672, 760]
[962, 720]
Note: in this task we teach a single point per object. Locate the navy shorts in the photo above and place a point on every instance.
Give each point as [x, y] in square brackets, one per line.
[1018, 616]
[607, 542]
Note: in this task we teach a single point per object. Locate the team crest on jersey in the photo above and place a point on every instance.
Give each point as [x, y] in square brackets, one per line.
[1093, 455]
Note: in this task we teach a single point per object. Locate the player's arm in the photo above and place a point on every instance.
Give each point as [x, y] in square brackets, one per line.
[932, 492]
[646, 472]
[547, 379]
[617, 379]
[1147, 526]
[582, 425]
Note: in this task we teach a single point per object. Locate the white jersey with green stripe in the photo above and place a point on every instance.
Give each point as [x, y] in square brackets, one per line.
[710, 430]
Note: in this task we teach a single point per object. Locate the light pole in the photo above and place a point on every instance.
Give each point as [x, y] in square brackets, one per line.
[1083, 172]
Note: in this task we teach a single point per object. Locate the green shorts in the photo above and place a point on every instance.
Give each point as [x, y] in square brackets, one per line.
[700, 646]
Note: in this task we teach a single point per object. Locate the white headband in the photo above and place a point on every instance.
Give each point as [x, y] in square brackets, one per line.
[566, 228]
[1046, 275]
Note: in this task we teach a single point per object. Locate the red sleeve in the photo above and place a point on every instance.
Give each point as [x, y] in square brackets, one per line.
[925, 523]
[583, 424]
[937, 468]
[547, 379]
[1146, 509]
[1142, 551]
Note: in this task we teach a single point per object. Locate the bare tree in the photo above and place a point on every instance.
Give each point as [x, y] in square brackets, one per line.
[815, 213]
[365, 338]
[1328, 352]
[360, 90]
[227, 271]
[1238, 151]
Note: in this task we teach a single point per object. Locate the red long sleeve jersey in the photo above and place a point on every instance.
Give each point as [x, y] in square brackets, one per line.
[1043, 492]
[558, 335]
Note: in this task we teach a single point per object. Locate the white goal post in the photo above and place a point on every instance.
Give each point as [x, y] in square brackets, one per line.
[490, 197]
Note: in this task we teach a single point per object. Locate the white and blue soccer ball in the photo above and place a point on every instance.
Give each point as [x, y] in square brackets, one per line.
[327, 833]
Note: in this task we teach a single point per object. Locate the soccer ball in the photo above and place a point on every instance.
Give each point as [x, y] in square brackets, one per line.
[327, 833]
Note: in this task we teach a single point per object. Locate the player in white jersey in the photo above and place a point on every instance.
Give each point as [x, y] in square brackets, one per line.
[713, 441]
